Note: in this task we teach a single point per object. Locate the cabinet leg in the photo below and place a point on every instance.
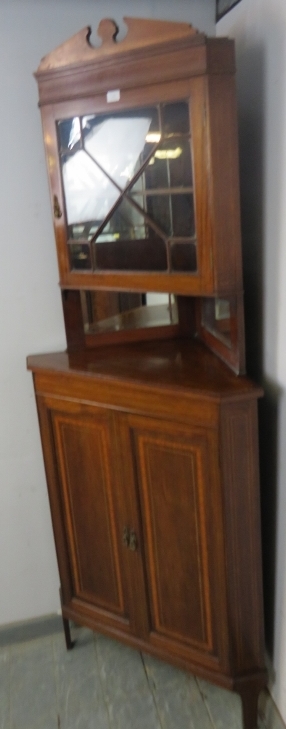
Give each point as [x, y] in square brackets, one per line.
[249, 697]
[67, 631]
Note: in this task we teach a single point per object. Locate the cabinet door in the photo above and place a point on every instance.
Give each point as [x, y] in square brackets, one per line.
[179, 492]
[88, 511]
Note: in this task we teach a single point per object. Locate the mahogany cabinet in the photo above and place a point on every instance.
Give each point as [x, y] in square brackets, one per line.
[151, 462]
[148, 424]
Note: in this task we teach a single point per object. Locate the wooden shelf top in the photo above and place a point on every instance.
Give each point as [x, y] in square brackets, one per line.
[177, 364]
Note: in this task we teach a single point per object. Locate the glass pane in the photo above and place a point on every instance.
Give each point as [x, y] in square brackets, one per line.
[137, 255]
[126, 223]
[89, 194]
[216, 318]
[175, 118]
[173, 214]
[183, 257]
[65, 134]
[156, 174]
[128, 243]
[80, 256]
[83, 231]
[117, 141]
[158, 208]
[180, 163]
[183, 217]
[169, 166]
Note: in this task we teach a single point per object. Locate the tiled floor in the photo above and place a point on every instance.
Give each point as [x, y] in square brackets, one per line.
[101, 684]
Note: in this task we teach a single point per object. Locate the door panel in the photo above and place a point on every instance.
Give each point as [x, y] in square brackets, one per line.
[171, 476]
[175, 483]
[83, 448]
[79, 439]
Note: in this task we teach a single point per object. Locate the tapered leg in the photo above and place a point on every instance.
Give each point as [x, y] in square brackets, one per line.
[67, 632]
[69, 641]
[249, 696]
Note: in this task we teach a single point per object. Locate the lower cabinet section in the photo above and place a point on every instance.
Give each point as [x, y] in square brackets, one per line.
[156, 523]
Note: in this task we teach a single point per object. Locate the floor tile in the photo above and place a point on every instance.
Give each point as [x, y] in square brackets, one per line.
[224, 707]
[80, 697]
[177, 697]
[127, 694]
[33, 690]
[270, 717]
[4, 688]
[102, 684]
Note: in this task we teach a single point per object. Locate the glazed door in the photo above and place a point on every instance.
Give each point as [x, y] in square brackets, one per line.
[179, 493]
[90, 513]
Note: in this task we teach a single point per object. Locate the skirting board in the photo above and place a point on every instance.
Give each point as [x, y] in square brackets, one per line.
[30, 629]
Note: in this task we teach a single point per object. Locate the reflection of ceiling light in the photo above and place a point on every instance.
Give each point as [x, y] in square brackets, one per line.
[153, 137]
[168, 153]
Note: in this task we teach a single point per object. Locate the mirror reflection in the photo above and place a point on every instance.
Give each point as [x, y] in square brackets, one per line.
[216, 318]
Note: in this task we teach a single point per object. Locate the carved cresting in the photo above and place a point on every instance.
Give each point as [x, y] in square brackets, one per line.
[142, 32]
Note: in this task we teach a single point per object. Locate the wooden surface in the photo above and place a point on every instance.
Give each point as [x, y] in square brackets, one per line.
[141, 32]
[176, 467]
[175, 364]
[210, 89]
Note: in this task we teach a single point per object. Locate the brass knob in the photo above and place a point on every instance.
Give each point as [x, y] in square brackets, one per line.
[129, 539]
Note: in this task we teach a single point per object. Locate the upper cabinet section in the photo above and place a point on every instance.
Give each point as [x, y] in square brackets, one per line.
[141, 146]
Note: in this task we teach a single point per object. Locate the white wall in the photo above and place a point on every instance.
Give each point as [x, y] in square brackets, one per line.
[30, 308]
[259, 28]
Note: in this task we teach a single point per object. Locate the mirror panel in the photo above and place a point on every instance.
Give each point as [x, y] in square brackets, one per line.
[216, 318]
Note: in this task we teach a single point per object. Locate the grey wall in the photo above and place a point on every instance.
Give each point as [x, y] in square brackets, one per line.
[259, 29]
[31, 316]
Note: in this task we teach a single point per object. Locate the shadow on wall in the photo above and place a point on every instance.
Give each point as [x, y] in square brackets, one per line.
[223, 7]
[258, 230]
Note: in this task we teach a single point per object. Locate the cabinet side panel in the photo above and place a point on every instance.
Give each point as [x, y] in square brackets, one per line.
[202, 183]
[239, 455]
[224, 190]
